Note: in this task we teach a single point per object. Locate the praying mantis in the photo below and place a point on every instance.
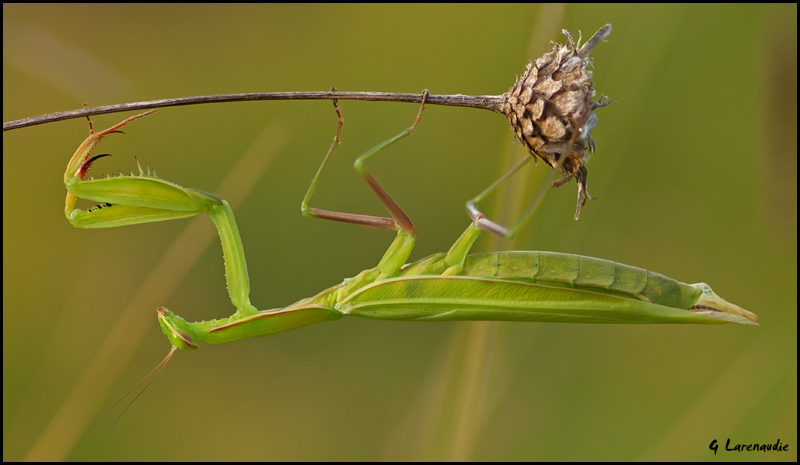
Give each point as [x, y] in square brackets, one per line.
[451, 286]
[108, 265]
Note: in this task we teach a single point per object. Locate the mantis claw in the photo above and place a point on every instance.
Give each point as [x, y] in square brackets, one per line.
[84, 168]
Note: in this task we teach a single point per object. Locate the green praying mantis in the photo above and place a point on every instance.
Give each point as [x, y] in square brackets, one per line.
[452, 286]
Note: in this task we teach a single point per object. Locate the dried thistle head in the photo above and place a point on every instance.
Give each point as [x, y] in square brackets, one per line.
[551, 110]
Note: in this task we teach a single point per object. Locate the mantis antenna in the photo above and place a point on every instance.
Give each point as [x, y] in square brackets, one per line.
[152, 375]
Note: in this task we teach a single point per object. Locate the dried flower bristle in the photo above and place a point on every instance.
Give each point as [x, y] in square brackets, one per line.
[550, 109]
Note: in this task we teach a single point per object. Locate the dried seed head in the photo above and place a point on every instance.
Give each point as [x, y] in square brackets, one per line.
[550, 108]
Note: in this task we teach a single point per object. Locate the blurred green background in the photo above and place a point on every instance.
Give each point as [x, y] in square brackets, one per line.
[695, 175]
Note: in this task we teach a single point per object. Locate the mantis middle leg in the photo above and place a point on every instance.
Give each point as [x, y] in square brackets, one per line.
[398, 252]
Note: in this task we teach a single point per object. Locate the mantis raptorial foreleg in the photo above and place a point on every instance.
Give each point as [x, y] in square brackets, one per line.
[145, 198]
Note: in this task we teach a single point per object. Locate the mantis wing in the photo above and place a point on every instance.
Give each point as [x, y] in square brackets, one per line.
[544, 287]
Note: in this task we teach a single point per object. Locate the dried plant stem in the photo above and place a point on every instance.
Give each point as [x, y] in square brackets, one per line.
[487, 102]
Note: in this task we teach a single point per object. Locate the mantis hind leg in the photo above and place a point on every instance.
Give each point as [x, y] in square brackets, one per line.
[578, 173]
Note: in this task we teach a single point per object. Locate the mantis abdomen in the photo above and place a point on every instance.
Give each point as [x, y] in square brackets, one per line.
[536, 286]
[580, 272]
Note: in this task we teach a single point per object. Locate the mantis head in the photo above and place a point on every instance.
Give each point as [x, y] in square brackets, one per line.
[177, 330]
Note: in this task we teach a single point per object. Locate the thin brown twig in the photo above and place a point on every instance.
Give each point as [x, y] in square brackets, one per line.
[487, 102]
